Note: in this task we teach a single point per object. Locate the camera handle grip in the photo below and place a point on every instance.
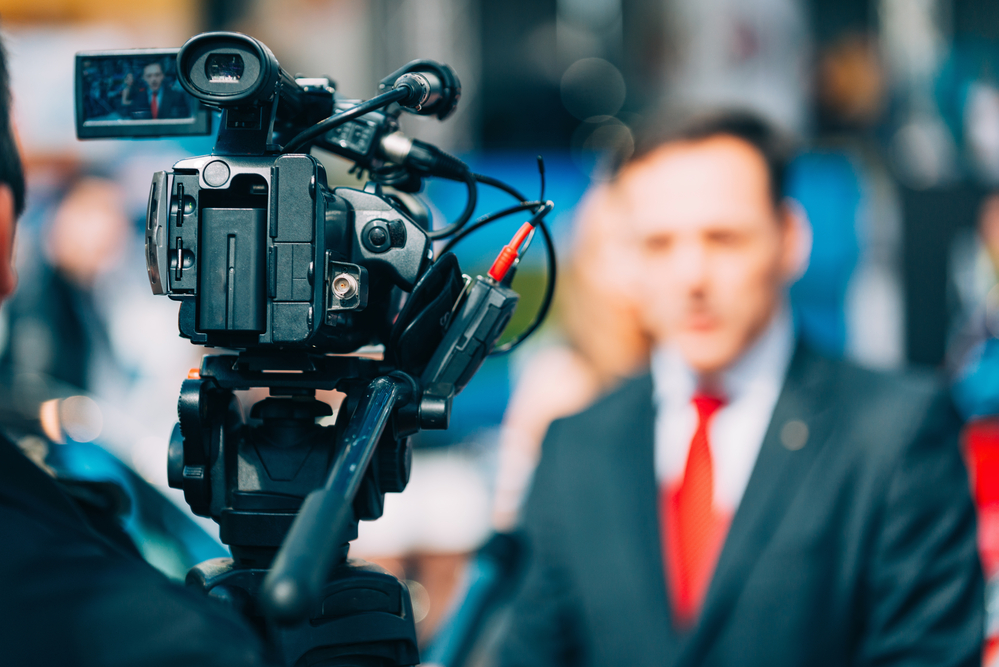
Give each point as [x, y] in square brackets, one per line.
[307, 554]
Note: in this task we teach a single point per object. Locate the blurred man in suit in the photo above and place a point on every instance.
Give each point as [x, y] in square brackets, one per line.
[76, 591]
[152, 99]
[747, 501]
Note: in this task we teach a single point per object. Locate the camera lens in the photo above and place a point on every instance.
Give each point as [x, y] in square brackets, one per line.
[224, 67]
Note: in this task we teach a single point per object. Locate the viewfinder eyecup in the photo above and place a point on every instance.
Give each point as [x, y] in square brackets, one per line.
[226, 69]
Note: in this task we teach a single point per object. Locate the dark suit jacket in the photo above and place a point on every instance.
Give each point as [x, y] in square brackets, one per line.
[69, 595]
[173, 104]
[854, 545]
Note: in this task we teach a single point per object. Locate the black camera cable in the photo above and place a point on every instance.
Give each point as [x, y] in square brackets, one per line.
[540, 208]
[427, 159]
[421, 157]
[466, 215]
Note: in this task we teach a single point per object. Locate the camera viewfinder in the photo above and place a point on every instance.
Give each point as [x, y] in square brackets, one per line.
[224, 67]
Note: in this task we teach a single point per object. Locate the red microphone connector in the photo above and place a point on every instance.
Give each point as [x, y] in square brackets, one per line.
[508, 255]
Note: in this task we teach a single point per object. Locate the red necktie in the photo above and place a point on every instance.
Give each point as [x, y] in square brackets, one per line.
[694, 530]
[154, 107]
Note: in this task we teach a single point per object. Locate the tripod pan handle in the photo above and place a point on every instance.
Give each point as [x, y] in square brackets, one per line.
[307, 554]
[289, 589]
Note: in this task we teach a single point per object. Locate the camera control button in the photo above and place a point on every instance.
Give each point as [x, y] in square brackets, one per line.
[376, 236]
[216, 173]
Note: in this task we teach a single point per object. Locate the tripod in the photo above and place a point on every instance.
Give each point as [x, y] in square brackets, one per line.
[288, 493]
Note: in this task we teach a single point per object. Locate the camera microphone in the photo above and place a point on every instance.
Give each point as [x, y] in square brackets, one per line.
[434, 88]
[425, 90]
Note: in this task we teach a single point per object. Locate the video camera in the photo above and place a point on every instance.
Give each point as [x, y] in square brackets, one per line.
[310, 287]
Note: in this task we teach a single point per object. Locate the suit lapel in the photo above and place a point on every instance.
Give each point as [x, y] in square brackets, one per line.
[801, 423]
[638, 526]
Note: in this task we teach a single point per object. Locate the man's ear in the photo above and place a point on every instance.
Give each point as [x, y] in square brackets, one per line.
[8, 277]
[797, 239]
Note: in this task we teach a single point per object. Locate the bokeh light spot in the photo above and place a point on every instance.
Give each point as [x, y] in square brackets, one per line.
[592, 87]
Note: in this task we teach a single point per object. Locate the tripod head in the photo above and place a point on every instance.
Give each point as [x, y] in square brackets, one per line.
[288, 493]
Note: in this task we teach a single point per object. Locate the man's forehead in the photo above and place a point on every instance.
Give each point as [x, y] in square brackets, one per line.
[149, 69]
[710, 181]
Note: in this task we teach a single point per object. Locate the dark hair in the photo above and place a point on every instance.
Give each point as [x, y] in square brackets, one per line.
[11, 169]
[671, 127]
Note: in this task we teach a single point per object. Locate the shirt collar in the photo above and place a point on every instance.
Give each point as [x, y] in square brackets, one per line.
[763, 364]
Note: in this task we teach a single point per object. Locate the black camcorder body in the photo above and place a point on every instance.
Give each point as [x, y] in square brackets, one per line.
[259, 251]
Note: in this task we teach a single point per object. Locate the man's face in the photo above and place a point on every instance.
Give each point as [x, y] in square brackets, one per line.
[713, 254]
[153, 76]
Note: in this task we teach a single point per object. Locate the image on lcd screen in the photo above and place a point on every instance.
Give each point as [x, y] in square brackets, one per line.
[138, 89]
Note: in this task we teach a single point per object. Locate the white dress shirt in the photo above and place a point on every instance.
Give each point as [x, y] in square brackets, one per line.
[750, 388]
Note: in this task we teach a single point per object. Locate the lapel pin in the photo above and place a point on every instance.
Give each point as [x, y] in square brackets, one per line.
[794, 435]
